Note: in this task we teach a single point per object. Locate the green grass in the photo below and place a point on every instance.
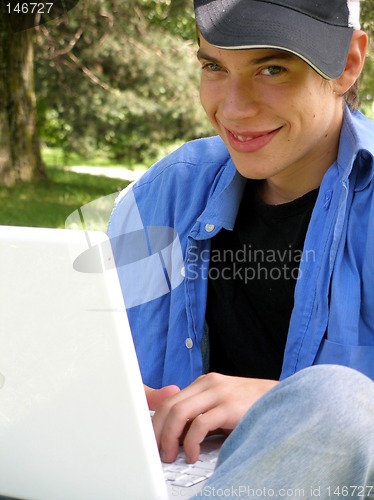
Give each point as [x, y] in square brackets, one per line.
[55, 157]
[49, 202]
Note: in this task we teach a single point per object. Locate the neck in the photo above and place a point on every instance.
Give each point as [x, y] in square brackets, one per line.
[271, 194]
[288, 186]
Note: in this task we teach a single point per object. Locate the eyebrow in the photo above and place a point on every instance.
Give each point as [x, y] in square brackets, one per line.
[203, 55]
[277, 55]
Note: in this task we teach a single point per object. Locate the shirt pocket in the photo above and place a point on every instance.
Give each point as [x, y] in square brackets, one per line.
[359, 357]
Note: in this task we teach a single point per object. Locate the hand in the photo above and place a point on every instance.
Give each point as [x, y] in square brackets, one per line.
[156, 396]
[213, 403]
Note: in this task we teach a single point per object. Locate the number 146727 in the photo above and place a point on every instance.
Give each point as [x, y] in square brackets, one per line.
[29, 8]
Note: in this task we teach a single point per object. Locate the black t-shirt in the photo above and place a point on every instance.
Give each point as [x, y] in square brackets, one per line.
[252, 276]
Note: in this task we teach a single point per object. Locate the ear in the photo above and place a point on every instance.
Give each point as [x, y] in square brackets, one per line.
[355, 62]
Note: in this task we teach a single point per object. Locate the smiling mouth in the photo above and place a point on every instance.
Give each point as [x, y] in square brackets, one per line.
[251, 137]
[251, 142]
[242, 138]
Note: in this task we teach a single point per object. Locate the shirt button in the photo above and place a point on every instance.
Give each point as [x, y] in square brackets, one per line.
[189, 343]
[209, 228]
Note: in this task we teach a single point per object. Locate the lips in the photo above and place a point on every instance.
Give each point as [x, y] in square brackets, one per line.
[250, 142]
[242, 138]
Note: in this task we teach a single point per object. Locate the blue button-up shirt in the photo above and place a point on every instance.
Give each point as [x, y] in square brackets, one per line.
[161, 229]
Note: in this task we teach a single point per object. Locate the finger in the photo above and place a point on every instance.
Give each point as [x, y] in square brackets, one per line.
[177, 412]
[164, 407]
[177, 420]
[156, 396]
[211, 422]
[169, 426]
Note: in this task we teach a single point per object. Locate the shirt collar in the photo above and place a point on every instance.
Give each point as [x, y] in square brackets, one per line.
[356, 142]
[223, 204]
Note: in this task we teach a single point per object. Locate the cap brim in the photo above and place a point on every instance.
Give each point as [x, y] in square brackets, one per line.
[255, 25]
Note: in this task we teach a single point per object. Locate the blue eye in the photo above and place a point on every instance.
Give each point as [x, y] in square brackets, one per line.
[272, 70]
[212, 67]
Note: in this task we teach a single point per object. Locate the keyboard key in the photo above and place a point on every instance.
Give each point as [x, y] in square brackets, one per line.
[187, 480]
[171, 476]
[209, 457]
[173, 467]
[179, 473]
[198, 471]
[209, 465]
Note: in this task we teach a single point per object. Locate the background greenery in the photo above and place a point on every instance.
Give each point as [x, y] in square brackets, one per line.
[120, 77]
[116, 84]
[47, 203]
[367, 80]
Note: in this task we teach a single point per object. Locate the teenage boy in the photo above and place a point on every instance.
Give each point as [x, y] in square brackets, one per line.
[282, 197]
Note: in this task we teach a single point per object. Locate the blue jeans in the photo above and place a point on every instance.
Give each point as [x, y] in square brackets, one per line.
[311, 436]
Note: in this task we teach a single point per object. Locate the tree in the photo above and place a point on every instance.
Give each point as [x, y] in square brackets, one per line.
[20, 157]
[119, 77]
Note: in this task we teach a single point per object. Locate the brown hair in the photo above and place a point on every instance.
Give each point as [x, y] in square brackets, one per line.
[351, 96]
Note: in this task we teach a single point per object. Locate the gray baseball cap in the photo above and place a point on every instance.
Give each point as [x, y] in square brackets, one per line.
[317, 31]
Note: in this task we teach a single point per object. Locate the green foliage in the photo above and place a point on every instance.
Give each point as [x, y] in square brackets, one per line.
[367, 80]
[176, 16]
[119, 76]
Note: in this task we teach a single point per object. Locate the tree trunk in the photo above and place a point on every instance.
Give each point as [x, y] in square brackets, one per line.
[20, 158]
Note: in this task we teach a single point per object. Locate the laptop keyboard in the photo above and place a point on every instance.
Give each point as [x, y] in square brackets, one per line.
[179, 473]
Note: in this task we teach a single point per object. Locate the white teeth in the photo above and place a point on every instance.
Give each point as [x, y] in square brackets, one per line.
[241, 138]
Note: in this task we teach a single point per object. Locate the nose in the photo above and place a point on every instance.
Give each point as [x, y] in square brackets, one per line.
[240, 100]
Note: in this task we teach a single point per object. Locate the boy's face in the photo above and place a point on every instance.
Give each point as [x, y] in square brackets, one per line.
[279, 119]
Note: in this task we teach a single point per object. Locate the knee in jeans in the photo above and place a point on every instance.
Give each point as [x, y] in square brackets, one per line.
[341, 393]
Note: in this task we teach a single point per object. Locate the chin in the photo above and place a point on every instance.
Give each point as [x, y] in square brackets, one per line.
[251, 173]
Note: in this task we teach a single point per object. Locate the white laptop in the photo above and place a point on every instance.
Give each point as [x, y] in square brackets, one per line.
[74, 423]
